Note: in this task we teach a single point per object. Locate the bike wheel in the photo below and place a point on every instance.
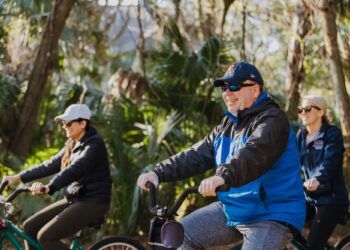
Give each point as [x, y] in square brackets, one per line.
[117, 242]
[344, 244]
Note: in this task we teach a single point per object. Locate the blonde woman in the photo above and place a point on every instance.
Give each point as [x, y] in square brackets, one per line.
[321, 150]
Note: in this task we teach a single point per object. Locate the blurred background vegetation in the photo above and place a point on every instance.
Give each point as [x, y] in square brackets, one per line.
[145, 69]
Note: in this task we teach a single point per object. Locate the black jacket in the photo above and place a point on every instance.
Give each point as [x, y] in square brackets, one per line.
[322, 159]
[89, 168]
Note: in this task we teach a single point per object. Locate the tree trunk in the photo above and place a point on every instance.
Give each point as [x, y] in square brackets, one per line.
[177, 9]
[227, 4]
[244, 20]
[342, 98]
[345, 49]
[21, 140]
[301, 26]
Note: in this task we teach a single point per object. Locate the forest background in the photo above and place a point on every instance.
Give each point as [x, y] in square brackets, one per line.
[145, 68]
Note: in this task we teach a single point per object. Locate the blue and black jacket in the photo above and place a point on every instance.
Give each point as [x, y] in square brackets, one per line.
[256, 154]
[322, 159]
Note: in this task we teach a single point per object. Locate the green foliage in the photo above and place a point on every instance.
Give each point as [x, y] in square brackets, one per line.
[39, 157]
[179, 106]
[10, 90]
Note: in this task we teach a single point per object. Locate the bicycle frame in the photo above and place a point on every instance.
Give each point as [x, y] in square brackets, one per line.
[10, 231]
[14, 234]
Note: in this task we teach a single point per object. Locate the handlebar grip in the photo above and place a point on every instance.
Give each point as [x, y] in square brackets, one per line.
[43, 189]
[223, 188]
[152, 194]
[321, 187]
[2, 186]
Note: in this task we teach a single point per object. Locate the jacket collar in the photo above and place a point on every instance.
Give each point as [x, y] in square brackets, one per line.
[263, 100]
[90, 133]
[320, 133]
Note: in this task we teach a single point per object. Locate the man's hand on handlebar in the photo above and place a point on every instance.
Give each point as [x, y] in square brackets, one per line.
[38, 188]
[209, 185]
[312, 184]
[147, 177]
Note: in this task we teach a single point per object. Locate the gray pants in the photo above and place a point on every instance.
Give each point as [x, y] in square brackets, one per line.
[61, 220]
[206, 227]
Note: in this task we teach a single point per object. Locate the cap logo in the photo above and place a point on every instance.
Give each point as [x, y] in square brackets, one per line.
[252, 76]
[230, 69]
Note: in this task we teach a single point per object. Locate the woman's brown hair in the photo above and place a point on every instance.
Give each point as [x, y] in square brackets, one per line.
[66, 160]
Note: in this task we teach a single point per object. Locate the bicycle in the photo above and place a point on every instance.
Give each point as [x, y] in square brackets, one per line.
[11, 232]
[165, 232]
[164, 215]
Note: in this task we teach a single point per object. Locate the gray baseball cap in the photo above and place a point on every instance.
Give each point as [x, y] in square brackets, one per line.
[75, 111]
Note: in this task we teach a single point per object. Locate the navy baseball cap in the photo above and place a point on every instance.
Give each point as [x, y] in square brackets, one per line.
[237, 75]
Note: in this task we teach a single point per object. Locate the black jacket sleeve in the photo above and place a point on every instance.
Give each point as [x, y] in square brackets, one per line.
[90, 157]
[333, 156]
[263, 148]
[45, 169]
[193, 161]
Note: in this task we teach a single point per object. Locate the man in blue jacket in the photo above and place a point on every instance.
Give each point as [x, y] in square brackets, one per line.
[253, 150]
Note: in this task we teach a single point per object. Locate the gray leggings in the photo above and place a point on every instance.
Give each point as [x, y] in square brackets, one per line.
[206, 227]
[61, 220]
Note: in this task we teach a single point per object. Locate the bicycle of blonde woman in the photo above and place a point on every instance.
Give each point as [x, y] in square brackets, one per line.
[15, 236]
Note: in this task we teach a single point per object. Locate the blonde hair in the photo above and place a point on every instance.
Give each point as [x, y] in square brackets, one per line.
[319, 102]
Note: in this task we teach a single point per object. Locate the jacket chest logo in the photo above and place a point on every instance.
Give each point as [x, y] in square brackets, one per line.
[318, 144]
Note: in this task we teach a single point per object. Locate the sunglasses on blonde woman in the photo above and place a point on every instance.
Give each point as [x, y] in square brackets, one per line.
[307, 109]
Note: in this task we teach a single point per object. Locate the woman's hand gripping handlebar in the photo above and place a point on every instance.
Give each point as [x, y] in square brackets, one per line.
[23, 189]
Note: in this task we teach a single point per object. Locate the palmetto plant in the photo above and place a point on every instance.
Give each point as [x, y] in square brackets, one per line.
[139, 134]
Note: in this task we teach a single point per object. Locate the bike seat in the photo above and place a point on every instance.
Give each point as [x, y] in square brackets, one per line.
[97, 225]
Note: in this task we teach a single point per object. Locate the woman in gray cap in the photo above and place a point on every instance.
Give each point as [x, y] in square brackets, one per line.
[81, 168]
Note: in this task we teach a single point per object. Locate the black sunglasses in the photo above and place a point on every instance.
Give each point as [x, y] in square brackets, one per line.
[234, 88]
[307, 109]
[68, 124]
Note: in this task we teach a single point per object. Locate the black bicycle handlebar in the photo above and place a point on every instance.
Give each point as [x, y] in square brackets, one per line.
[15, 193]
[152, 195]
[321, 187]
[172, 211]
[2, 186]
[19, 190]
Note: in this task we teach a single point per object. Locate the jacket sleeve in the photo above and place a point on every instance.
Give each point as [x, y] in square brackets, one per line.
[263, 148]
[45, 169]
[90, 157]
[299, 141]
[193, 161]
[333, 157]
